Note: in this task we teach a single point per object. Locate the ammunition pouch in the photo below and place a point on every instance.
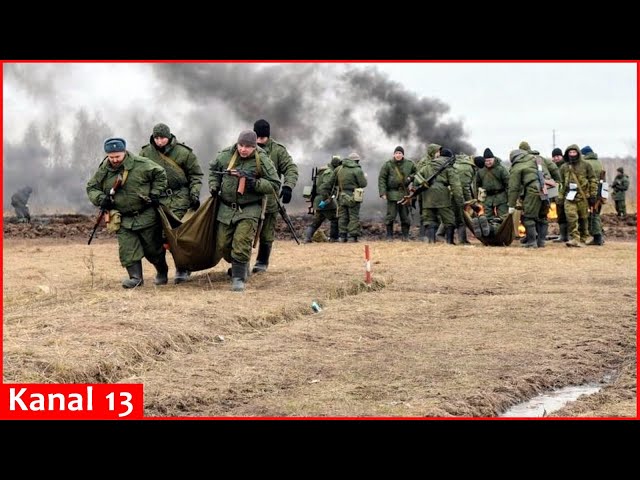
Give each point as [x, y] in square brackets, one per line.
[115, 219]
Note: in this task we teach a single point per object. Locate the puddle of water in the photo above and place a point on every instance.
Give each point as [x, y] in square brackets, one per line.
[550, 402]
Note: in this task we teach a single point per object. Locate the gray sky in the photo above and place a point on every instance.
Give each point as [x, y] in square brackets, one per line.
[56, 116]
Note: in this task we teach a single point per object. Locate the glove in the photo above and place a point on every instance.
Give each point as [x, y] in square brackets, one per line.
[511, 210]
[107, 203]
[154, 201]
[324, 203]
[592, 201]
[285, 194]
[250, 184]
[195, 202]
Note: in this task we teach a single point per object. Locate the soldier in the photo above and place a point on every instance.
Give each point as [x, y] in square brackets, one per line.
[594, 226]
[620, 186]
[287, 171]
[239, 212]
[578, 191]
[325, 207]
[494, 181]
[349, 177]
[466, 169]
[558, 160]
[392, 186]
[19, 202]
[441, 197]
[140, 232]
[184, 175]
[523, 179]
[432, 149]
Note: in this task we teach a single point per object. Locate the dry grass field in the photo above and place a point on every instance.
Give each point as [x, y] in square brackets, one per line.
[443, 331]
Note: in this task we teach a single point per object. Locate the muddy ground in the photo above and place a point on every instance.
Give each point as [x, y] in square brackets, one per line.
[442, 331]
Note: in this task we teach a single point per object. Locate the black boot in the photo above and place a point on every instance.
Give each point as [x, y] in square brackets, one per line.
[448, 234]
[333, 231]
[477, 231]
[262, 260]
[462, 235]
[181, 276]
[162, 269]
[563, 234]
[484, 225]
[343, 238]
[135, 276]
[423, 233]
[405, 232]
[541, 229]
[308, 234]
[430, 233]
[390, 233]
[238, 276]
[531, 238]
[597, 240]
[353, 239]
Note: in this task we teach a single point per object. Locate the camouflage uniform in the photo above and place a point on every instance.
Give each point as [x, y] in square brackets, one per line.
[595, 222]
[140, 233]
[348, 177]
[581, 173]
[329, 211]
[523, 179]
[558, 160]
[466, 170]
[391, 182]
[19, 201]
[620, 186]
[238, 215]
[285, 167]
[184, 177]
[495, 181]
[439, 199]
[432, 149]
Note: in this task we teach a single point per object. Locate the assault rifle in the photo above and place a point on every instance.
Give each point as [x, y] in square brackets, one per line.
[104, 213]
[426, 183]
[287, 220]
[242, 177]
[312, 191]
[544, 194]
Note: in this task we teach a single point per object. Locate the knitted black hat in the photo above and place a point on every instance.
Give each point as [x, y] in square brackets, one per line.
[399, 149]
[556, 151]
[586, 150]
[445, 152]
[488, 153]
[620, 169]
[479, 161]
[262, 128]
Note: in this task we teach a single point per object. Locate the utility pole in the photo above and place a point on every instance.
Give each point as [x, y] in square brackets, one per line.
[554, 138]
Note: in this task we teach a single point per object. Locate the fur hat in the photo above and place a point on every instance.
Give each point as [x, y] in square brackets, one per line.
[262, 128]
[248, 137]
[556, 151]
[488, 153]
[399, 149]
[114, 145]
[161, 130]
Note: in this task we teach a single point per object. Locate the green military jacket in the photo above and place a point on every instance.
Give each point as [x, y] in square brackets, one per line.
[620, 185]
[392, 176]
[189, 174]
[466, 170]
[323, 183]
[432, 148]
[347, 176]
[523, 176]
[445, 187]
[233, 205]
[285, 167]
[580, 171]
[141, 177]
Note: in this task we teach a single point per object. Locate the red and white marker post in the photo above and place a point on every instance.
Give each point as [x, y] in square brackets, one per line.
[367, 265]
